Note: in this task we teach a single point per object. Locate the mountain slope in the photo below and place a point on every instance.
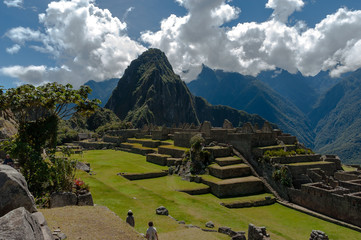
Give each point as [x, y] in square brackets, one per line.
[102, 90]
[251, 95]
[338, 119]
[150, 92]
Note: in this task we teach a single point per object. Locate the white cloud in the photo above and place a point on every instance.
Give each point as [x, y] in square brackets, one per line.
[201, 37]
[14, 49]
[14, 3]
[32, 74]
[86, 41]
[284, 8]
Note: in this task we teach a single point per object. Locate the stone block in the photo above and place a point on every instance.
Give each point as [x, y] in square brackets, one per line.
[63, 199]
[160, 159]
[85, 199]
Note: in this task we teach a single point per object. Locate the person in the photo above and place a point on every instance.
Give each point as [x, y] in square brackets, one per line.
[151, 232]
[8, 160]
[130, 218]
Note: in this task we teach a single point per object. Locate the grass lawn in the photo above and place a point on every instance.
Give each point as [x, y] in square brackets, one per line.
[144, 196]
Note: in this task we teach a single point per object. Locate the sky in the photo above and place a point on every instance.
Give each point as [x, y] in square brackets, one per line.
[73, 41]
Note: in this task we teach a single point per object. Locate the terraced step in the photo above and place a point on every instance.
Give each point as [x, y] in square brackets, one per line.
[234, 187]
[173, 161]
[230, 171]
[140, 176]
[225, 161]
[218, 151]
[174, 151]
[145, 142]
[259, 151]
[202, 189]
[156, 158]
[297, 159]
[138, 148]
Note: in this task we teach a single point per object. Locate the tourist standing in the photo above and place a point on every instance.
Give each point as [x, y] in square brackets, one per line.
[130, 218]
[151, 232]
[8, 160]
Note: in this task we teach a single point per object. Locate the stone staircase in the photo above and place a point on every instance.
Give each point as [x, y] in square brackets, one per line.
[229, 176]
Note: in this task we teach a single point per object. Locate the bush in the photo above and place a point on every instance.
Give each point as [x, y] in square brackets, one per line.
[282, 175]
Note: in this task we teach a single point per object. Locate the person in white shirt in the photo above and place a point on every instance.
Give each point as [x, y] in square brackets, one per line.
[151, 232]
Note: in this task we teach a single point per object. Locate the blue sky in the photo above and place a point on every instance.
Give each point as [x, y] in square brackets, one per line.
[78, 40]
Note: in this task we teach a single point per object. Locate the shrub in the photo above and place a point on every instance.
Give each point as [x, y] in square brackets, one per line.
[282, 175]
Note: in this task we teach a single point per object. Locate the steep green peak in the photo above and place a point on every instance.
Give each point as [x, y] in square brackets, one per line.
[155, 57]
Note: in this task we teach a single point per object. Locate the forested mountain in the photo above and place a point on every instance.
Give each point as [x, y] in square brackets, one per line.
[253, 96]
[150, 92]
[102, 90]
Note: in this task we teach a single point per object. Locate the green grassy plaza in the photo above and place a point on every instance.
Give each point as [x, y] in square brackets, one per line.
[144, 196]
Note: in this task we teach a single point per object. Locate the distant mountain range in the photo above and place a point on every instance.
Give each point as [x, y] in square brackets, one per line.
[253, 96]
[150, 92]
[323, 112]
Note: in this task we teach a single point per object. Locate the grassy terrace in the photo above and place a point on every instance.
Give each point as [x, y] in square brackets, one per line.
[308, 163]
[275, 146]
[174, 147]
[138, 145]
[144, 196]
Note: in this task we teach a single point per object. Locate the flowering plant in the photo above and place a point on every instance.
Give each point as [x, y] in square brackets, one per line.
[80, 186]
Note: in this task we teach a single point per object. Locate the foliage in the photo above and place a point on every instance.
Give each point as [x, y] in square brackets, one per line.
[282, 175]
[62, 173]
[200, 158]
[80, 186]
[37, 112]
[283, 153]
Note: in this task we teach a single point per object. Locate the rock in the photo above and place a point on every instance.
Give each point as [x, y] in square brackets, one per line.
[227, 230]
[318, 235]
[257, 233]
[62, 199]
[85, 200]
[14, 191]
[210, 224]
[239, 237]
[43, 225]
[181, 222]
[162, 211]
[19, 224]
[83, 166]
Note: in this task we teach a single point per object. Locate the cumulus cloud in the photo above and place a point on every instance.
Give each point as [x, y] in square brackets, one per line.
[14, 49]
[14, 3]
[87, 43]
[249, 48]
[284, 8]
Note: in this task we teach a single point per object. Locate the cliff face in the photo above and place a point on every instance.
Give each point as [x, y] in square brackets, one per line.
[150, 92]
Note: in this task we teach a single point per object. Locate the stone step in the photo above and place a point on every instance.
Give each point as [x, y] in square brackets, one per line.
[140, 176]
[174, 151]
[230, 171]
[297, 159]
[218, 151]
[174, 161]
[156, 158]
[234, 186]
[225, 161]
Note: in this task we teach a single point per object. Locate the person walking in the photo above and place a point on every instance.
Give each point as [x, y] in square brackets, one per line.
[151, 232]
[130, 218]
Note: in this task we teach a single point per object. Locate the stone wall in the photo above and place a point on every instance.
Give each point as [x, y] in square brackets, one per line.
[329, 201]
[125, 133]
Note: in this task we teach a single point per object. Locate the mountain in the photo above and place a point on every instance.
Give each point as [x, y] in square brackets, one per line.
[251, 95]
[337, 119]
[300, 90]
[150, 92]
[102, 90]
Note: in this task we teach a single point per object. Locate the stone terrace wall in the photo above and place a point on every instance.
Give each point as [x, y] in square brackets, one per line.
[329, 202]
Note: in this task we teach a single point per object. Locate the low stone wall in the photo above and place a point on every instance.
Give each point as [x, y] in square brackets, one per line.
[297, 159]
[257, 203]
[198, 191]
[160, 159]
[229, 171]
[174, 152]
[297, 170]
[343, 207]
[174, 161]
[347, 176]
[139, 176]
[70, 199]
[125, 133]
[287, 139]
[112, 139]
[182, 139]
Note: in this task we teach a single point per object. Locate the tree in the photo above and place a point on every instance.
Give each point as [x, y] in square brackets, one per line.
[37, 111]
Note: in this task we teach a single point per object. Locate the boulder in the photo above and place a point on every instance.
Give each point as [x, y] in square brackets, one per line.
[162, 211]
[43, 225]
[85, 200]
[14, 191]
[318, 235]
[82, 166]
[210, 224]
[19, 224]
[62, 199]
[227, 230]
[239, 237]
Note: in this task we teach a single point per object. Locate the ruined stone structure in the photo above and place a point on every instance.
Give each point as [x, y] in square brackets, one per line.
[307, 179]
